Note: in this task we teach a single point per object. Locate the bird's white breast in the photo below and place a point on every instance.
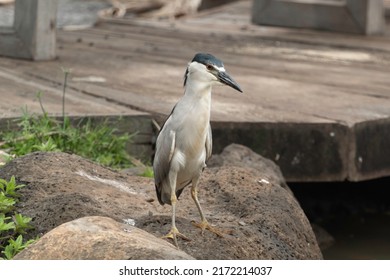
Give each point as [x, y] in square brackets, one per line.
[193, 125]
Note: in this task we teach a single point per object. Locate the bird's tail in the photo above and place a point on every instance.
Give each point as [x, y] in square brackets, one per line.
[158, 192]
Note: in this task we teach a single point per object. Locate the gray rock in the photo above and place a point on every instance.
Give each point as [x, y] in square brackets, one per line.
[62, 187]
[100, 238]
[261, 220]
[242, 156]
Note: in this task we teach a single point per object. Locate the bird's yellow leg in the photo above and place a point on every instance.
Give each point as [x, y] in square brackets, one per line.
[174, 232]
[204, 224]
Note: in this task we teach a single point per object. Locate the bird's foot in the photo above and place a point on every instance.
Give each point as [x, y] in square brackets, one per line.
[173, 234]
[203, 225]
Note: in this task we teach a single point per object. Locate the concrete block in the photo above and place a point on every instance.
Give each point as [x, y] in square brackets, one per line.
[304, 152]
[32, 35]
[351, 16]
[370, 150]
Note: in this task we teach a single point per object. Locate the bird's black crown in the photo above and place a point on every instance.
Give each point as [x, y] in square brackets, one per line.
[206, 58]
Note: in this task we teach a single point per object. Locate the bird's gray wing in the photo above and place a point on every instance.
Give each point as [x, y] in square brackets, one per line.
[165, 146]
[209, 143]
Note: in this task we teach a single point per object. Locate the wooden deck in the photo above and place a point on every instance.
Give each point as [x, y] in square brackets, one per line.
[316, 103]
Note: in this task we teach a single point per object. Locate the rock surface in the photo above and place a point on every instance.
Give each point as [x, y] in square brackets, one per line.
[99, 238]
[242, 156]
[262, 220]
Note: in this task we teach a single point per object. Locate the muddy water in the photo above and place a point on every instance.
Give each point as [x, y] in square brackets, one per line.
[357, 215]
[366, 237]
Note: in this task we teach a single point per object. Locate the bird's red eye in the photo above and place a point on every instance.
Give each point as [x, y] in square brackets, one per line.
[209, 67]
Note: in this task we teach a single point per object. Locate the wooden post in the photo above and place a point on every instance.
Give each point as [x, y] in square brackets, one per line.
[33, 35]
[352, 16]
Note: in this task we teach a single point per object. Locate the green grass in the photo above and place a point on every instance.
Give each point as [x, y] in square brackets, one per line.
[13, 226]
[43, 133]
[148, 172]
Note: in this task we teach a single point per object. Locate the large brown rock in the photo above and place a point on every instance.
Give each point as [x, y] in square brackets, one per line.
[261, 219]
[99, 238]
[242, 156]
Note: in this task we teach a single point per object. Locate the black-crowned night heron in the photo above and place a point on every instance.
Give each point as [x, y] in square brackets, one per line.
[184, 142]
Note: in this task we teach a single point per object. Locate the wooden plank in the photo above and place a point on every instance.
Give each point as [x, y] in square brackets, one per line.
[19, 91]
[355, 16]
[33, 34]
[256, 68]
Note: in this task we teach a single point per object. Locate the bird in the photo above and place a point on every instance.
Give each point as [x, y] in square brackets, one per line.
[184, 142]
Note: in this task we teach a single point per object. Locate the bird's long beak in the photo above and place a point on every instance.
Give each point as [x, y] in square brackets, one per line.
[227, 80]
